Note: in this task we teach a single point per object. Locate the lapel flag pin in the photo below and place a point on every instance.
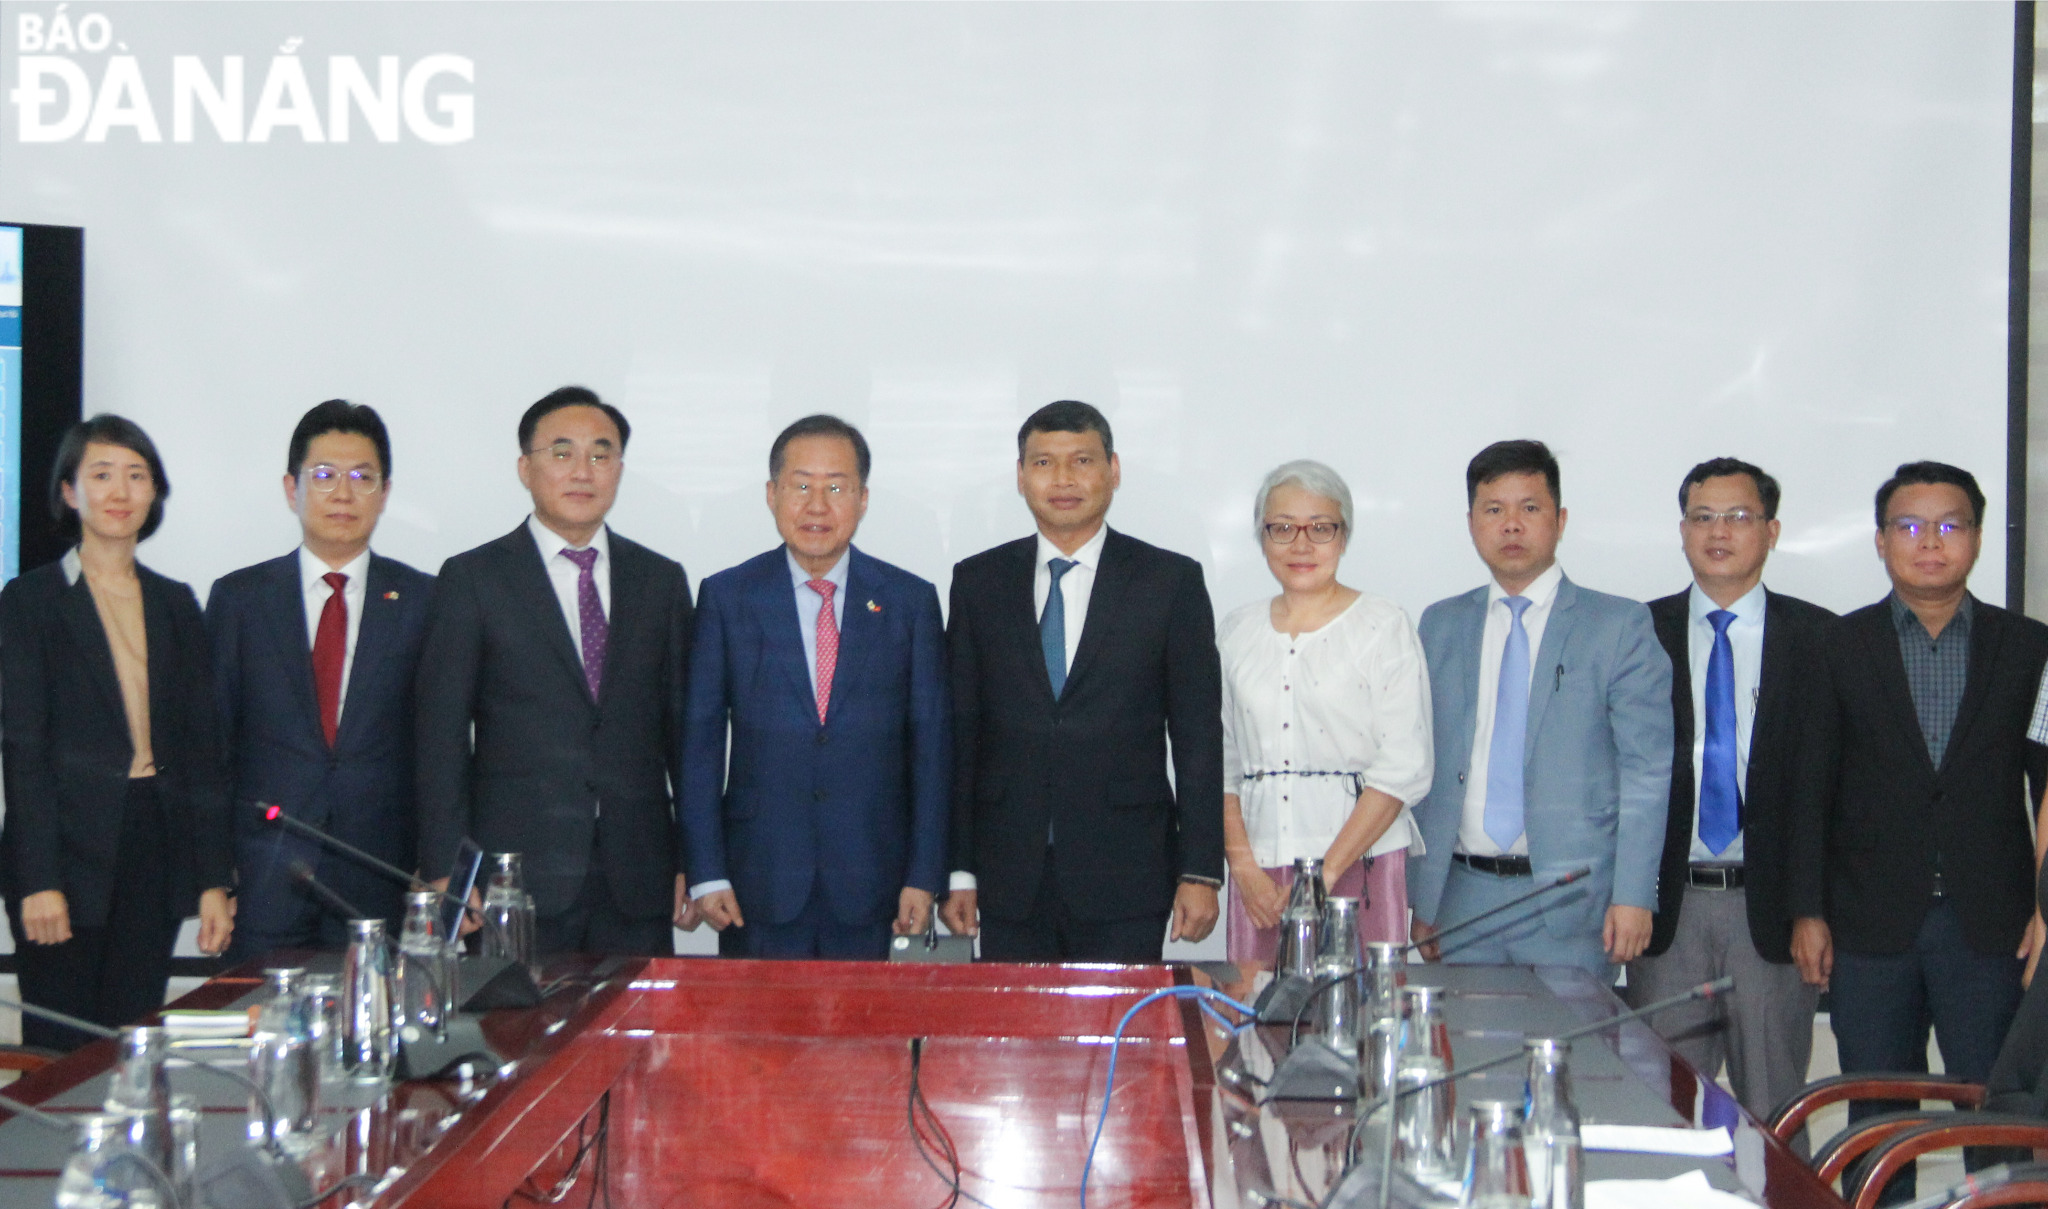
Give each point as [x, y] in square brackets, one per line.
[873, 607]
[391, 596]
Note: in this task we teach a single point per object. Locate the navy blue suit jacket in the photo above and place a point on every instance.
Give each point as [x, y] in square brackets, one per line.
[859, 802]
[362, 790]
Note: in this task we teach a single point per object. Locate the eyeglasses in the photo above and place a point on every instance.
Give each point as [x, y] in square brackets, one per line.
[831, 491]
[562, 453]
[1322, 533]
[1739, 518]
[1914, 528]
[324, 479]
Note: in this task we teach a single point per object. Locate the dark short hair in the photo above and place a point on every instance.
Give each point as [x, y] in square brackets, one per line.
[1914, 474]
[820, 426]
[1067, 415]
[569, 396]
[1714, 468]
[104, 429]
[339, 415]
[1511, 457]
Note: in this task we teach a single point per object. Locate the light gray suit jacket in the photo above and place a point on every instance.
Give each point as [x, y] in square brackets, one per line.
[1597, 779]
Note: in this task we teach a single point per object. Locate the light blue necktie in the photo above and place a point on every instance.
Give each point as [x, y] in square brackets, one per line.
[1720, 796]
[1052, 626]
[1504, 755]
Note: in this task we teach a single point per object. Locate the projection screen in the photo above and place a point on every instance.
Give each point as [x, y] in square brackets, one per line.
[1376, 234]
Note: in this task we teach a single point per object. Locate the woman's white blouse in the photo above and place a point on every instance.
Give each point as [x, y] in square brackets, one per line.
[1350, 699]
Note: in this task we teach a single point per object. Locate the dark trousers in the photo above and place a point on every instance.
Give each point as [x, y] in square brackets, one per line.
[814, 933]
[1882, 1006]
[116, 973]
[594, 924]
[1051, 933]
[295, 921]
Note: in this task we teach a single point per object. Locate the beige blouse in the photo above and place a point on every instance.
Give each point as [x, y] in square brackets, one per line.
[120, 608]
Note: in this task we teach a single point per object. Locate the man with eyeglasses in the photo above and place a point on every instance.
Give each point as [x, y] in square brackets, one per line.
[1930, 868]
[1552, 723]
[313, 657]
[1740, 891]
[551, 698]
[816, 763]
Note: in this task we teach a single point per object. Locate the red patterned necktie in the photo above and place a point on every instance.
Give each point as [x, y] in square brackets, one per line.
[828, 643]
[330, 650]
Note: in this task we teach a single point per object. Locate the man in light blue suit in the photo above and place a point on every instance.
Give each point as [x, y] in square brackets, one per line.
[818, 827]
[1552, 713]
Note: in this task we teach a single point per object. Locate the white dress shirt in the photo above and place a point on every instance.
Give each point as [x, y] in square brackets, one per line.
[353, 593]
[809, 604]
[1075, 587]
[1746, 643]
[1493, 642]
[563, 574]
[1350, 698]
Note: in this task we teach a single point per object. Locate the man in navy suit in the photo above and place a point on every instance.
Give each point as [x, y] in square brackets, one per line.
[313, 658]
[819, 827]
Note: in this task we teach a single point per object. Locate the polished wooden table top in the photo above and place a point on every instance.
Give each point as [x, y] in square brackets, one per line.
[736, 1083]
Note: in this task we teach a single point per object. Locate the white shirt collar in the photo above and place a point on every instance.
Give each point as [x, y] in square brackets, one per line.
[73, 567]
[552, 543]
[313, 571]
[1748, 610]
[1089, 555]
[1540, 592]
[836, 576]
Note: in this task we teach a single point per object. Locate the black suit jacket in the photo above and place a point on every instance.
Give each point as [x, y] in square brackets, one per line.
[361, 790]
[1784, 796]
[1892, 807]
[1092, 763]
[67, 749]
[545, 759]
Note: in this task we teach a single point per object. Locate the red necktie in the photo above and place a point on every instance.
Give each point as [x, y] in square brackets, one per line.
[330, 649]
[828, 643]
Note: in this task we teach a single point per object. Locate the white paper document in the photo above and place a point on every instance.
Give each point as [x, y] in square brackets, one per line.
[1656, 1139]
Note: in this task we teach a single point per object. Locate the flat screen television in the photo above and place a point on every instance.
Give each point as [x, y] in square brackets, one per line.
[42, 347]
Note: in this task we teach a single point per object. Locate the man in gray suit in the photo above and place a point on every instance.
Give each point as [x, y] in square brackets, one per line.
[1552, 717]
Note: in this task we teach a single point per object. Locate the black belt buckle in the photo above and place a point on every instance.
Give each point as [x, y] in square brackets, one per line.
[1498, 866]
[1714, 877]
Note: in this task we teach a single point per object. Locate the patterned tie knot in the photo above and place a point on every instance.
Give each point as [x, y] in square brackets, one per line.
[584, 559]
[1060, 566]
[823, 587]
[1721, 619]
[335, 580]
[1517, 605]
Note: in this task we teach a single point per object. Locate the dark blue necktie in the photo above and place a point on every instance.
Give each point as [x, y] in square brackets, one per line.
[1052, 626]
[1720, 796]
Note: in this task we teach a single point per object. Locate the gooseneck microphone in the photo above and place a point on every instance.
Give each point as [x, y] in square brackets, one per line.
[273, 813]
[51, 1121]
[1576, 875]
[302, 873]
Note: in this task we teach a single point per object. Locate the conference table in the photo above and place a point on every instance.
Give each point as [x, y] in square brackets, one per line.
[701, 1081]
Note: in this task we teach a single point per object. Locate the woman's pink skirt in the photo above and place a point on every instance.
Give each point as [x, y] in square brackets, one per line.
[1380, 882]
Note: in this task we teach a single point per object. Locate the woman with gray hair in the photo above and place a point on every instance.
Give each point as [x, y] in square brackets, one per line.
[1326, 737]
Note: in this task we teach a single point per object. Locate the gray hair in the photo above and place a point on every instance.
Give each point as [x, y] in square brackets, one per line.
[1312, 477]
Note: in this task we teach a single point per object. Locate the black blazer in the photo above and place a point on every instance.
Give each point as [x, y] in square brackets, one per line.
[1790, 767]
[545, 759]
[360, 791]
[67, 751]
[1891, 806]
[1092, 763]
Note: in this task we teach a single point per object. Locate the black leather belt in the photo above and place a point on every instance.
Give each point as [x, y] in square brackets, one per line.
[1714, 877]
[1499, 866]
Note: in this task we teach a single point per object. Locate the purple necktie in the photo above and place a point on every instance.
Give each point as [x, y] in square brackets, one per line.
[590, 612]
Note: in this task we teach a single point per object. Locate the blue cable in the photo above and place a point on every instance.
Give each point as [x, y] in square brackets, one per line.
[1206, 995]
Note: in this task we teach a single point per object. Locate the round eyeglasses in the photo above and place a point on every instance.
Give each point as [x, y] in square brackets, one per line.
[324, 479]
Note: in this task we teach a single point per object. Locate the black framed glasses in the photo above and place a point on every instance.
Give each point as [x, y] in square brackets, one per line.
[1322, 533]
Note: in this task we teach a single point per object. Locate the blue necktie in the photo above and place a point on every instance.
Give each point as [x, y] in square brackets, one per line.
[1052, 626]
[1720, 798]
[1504, 755]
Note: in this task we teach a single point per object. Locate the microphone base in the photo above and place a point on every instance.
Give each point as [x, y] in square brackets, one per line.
[489, 983]
[245, 1177]
[1314, 1071]
[1281, 999]
[422, 1056]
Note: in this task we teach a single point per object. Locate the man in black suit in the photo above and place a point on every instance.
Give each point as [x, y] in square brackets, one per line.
[551, 697]
[1075, 655]
[313, 658]
[1749, 781]
[1930, 869]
